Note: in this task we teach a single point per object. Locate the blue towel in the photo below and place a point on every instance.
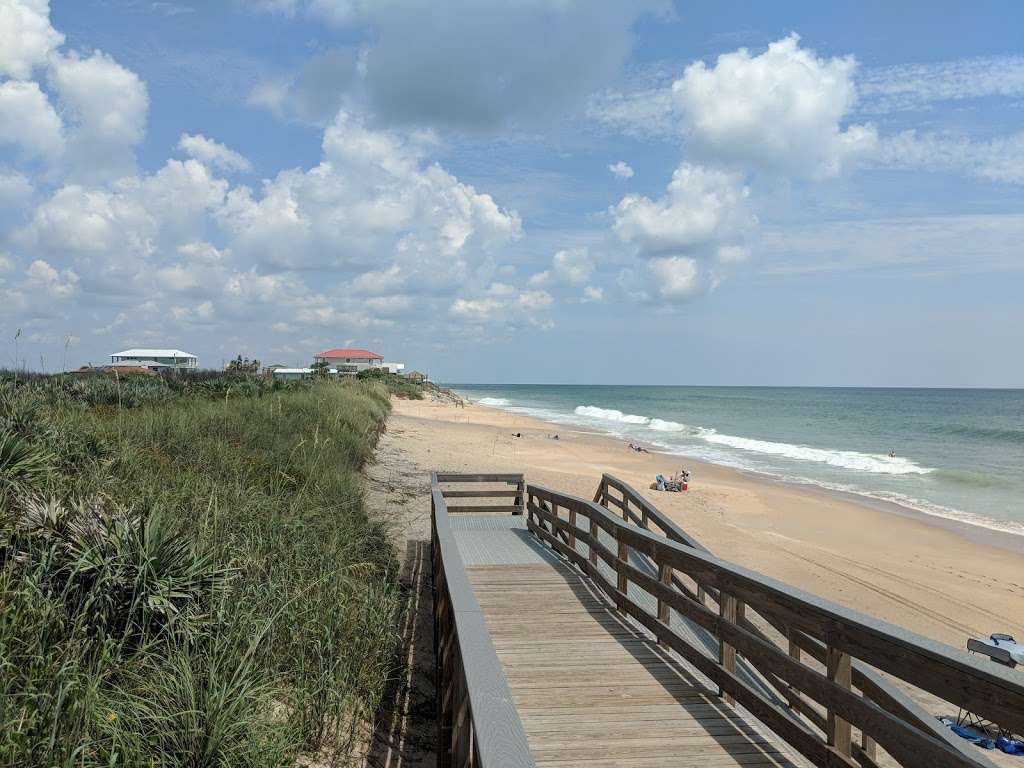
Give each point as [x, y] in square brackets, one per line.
[1010, 746]
[973, 736]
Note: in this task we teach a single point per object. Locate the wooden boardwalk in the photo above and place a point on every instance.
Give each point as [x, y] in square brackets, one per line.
[568, 634]
[594, 690]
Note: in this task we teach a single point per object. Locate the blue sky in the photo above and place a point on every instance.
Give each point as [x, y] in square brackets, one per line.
[520, 191]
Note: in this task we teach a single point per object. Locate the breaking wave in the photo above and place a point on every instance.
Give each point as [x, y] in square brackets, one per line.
[861, 462]
[878, 463]
[668, 426]
[610, 414]
[495, 402]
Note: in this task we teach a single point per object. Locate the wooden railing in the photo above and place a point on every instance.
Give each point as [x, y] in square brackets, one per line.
[832, 688]
[478, 725]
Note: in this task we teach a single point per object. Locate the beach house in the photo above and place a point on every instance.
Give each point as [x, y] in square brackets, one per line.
[154, 359]
[350, 361]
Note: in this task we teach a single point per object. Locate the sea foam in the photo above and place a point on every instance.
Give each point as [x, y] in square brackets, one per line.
[862, 462]
[495, 402]
[610, 414]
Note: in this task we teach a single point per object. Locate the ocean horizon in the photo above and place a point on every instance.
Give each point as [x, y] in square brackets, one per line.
[959, 452]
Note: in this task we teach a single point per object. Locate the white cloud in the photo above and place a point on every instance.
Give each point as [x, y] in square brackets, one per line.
[503, 303]
[702, 220]
[54, 284]
[107, 104]
[15, 189]
[674, 277]
[648, 112]
[178, 279]
[592, 294]
[114, 235]
[26, 37]
[372, 205]
[203, 253]
[400, 234]
[702, 207]
[1000, 159]
[780, 110]
[914, 86]
[621, 169]
[572, 266]
[212, 153]
[28, 120]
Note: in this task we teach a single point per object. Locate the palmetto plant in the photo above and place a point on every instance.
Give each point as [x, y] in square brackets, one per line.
[130, 573]
[24, 465]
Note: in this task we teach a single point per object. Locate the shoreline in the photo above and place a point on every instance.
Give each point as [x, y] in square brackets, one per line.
[902, 566]
[976, 532]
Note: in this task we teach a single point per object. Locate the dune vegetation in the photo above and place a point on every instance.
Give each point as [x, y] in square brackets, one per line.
[188, 576]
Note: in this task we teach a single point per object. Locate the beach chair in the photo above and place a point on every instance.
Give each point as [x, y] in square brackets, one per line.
[1002, 649]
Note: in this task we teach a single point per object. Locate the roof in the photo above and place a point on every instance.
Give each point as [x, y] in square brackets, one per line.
[364, 353]
[293, 370]
[148, 353]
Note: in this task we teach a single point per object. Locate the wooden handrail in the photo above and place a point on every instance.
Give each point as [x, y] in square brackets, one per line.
[868, 681]
[844, 634]
[516, 494]
[478, 724]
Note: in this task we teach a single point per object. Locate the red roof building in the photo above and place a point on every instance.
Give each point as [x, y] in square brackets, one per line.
[347, 356]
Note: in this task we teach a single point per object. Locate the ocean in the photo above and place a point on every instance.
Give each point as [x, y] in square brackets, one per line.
[959, 453]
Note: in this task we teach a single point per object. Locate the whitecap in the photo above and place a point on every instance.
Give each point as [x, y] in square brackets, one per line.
[877, 463]
[610, 414]
[667, 426]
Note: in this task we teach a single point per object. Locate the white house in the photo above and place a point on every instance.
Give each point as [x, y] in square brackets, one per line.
[350, 360]
[155, 358]
[292, 374]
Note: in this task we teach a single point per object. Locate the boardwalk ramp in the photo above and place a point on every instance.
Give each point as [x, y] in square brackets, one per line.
[572, 632]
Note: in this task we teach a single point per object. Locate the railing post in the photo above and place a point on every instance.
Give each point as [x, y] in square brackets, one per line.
[726, 652]
[462, 726]
[868, 745]
[794, 653]
[572, 530]
[840, 672]
[623, 557]
[664, 611]
[593, 539]
[445, 688]
[519, 498]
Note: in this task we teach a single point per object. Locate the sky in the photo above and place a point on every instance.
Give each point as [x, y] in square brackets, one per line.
[539, 191]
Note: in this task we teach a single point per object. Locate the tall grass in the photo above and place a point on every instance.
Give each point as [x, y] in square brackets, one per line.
[188, 575]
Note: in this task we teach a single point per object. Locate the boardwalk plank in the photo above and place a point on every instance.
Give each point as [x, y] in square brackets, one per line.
[593, 689]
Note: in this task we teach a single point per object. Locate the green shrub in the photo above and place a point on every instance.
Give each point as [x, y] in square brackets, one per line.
[188, 575]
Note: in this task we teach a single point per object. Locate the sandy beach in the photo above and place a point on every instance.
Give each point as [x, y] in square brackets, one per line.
[919, 574]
